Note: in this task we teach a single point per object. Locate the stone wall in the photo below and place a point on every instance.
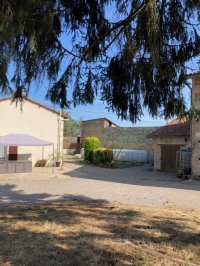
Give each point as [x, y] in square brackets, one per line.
[129, 138]
[93, 128]
[196, 129]
[72, 143]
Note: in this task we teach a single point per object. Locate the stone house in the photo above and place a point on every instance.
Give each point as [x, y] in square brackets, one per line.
[96, 127]
[34, 119]
[169, 139]
[187, 133]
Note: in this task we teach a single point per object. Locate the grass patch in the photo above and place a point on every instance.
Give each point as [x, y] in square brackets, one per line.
[122, 165]
[79, 160]
[98, 233]
[116, 164]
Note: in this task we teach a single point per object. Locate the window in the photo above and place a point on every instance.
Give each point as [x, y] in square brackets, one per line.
[2, 152]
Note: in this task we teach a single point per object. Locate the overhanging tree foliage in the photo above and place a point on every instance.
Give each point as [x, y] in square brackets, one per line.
[72, 128]
[134, 54]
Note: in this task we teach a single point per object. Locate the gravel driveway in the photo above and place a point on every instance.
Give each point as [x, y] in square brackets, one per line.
[139, 185]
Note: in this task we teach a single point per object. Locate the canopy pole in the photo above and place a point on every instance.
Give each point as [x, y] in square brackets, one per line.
[42, 155]
[53, 160]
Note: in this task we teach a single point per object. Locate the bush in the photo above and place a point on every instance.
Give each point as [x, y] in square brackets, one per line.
[108, 153]
[102, 156]
[98, 156]
[40, 163]
[90, 144]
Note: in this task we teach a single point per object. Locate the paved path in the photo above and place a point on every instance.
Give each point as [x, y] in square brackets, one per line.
[139, 185]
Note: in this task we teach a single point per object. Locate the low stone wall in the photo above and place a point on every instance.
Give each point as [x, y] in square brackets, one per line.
[72, 146]
[69, 139]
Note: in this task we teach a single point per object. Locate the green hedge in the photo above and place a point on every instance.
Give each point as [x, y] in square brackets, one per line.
[102, 156]
[90, 144]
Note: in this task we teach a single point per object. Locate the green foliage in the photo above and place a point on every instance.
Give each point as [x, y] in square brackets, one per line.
[56, 157]
[90, 144]
[40, 163]
[102, 156]
[72, 128]
[153, 42]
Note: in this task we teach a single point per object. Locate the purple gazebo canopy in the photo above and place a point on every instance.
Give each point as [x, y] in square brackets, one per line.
[22, 140]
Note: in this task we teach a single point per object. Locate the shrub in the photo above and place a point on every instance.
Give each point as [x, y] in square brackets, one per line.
[102, 156]
[90, 144]
[40, 163]
[108, 153]
[91, 156]
[98, 156]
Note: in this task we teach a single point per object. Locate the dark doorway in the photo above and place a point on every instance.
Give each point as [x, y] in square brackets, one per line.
[168, 158]
[12, 153]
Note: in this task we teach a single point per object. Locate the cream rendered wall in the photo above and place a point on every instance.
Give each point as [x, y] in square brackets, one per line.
[33, 120]
[196, 128]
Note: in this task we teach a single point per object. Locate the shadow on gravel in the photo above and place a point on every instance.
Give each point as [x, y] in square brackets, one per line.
[10, 196]
[141, 175]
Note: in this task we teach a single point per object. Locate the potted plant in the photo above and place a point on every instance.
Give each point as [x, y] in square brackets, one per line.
[56, 157]
[180, 174]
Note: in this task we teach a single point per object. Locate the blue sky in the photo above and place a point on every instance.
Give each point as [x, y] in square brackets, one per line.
[98, 110]
[87, 112]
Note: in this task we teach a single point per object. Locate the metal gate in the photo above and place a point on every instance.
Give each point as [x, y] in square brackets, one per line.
[183, 160]
[168, 158]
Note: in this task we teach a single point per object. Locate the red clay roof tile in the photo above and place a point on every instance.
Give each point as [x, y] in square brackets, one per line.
[175, 128]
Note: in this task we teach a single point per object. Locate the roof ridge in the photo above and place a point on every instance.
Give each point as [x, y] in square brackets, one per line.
[37, 103]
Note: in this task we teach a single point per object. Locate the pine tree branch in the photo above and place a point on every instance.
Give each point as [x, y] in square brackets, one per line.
[67, 51]
[118, 25]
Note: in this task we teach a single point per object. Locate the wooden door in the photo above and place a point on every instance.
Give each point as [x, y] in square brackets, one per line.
[168, 158]
[12, 153]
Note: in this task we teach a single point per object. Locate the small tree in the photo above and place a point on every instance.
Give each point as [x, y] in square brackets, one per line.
[72, 128]
[90, 144]
[56, 157]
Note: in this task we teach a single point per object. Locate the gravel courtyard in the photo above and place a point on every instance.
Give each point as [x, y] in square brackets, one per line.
[138, 185]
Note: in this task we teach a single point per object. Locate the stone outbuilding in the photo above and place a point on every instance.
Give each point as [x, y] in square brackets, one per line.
[168, 140]
[96, 127]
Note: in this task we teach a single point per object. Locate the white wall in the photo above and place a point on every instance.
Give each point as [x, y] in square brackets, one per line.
[33, 120]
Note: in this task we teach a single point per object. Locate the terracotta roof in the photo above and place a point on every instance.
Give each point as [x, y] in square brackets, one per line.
[175, 128]
[193, 73]
[38, 104]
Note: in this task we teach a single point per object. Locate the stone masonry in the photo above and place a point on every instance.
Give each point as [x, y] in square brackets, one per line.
[95, 128]
[128, 138]
[196, 126]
